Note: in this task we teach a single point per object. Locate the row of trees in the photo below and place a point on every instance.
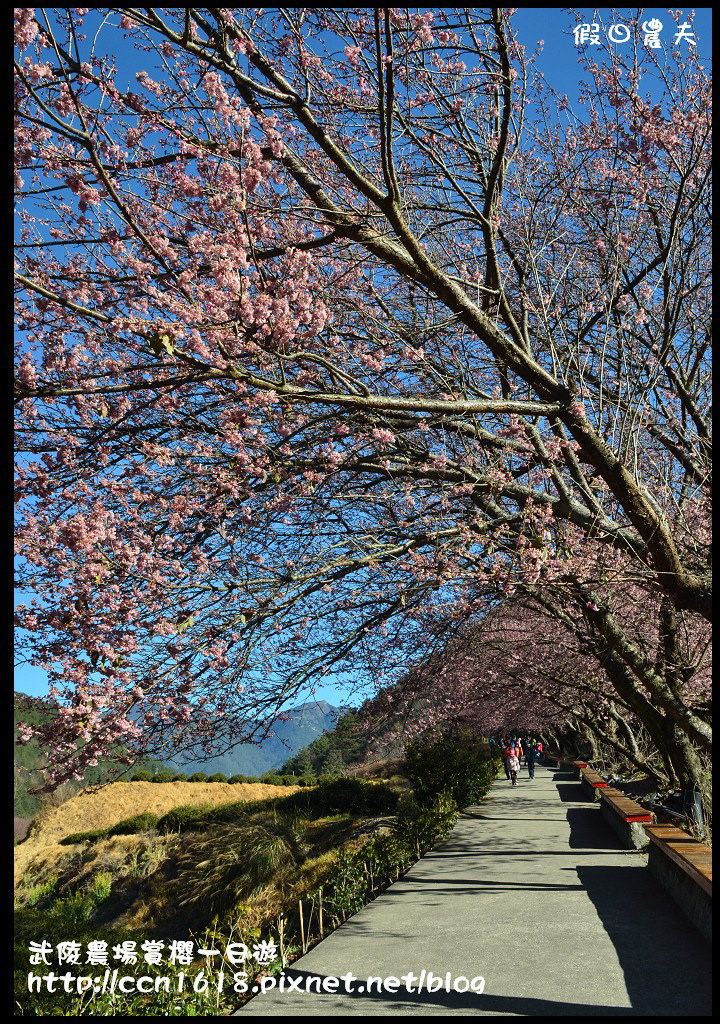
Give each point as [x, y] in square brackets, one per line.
[336, 329]
[345, 743]
[534, 666]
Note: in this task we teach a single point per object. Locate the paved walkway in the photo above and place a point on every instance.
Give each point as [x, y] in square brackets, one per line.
[532, 892]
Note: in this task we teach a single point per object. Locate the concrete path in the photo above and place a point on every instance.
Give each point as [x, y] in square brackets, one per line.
[531, 892]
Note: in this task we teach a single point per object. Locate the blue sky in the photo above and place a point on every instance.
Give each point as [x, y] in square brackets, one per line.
[558, 62]
[554, 26]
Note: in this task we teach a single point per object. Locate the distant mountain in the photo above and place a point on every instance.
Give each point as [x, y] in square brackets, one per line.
[305, 724]
[349, 744]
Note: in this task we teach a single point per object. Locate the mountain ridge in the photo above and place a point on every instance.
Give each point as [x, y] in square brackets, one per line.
[305, 723]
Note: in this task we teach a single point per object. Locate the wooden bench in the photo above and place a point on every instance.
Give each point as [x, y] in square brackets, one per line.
[683, 866]
[565, 766]
[625, 816]
[591, 782]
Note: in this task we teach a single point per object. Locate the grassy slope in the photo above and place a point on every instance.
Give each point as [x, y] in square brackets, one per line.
[120, 800]
[156, 885]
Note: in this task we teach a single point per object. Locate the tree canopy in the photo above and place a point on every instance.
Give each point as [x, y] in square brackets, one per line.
[339, 325]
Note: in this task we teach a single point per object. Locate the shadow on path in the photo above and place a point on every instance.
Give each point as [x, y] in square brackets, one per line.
[454, 1002]
[648, 934]
[589, 830]
[592, 934]
[570, 792]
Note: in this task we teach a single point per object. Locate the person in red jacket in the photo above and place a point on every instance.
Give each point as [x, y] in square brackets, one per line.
[508, 751]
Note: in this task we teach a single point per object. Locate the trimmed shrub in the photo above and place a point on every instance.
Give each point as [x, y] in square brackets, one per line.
[198, 777]
[180, 777]
[162, 777]
[138, 823]
[218, 777]
[141, 776]
[127, 827]
[344, 795]
[236, 811]
[183, 817]
[447, 765]
[271, 779]
[84, 837]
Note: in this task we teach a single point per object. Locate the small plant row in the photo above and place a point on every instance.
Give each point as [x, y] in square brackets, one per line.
[357, 877]
[268, 780]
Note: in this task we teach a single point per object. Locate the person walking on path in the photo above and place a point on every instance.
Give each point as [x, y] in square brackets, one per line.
[507, 754]
[530, 755]
[514, 766]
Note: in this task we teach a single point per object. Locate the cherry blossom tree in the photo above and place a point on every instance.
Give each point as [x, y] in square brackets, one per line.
[332, 320]
[541, 662]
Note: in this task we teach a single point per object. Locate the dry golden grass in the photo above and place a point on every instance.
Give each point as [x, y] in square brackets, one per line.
[109, 854]
[117, 801]
[41, 860]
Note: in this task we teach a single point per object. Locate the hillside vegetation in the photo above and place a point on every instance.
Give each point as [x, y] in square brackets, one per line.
[345, 745]
[213, 862]
[120, 800]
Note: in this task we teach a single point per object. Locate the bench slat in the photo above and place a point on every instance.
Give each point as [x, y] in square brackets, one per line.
[593, 778]
[625, 806]
[693, 857]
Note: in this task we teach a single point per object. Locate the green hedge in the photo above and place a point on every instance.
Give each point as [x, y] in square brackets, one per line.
[138, 823]
[449, 765]
[270, 779]
[341, 796]
[181, 818]
[128, 826]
